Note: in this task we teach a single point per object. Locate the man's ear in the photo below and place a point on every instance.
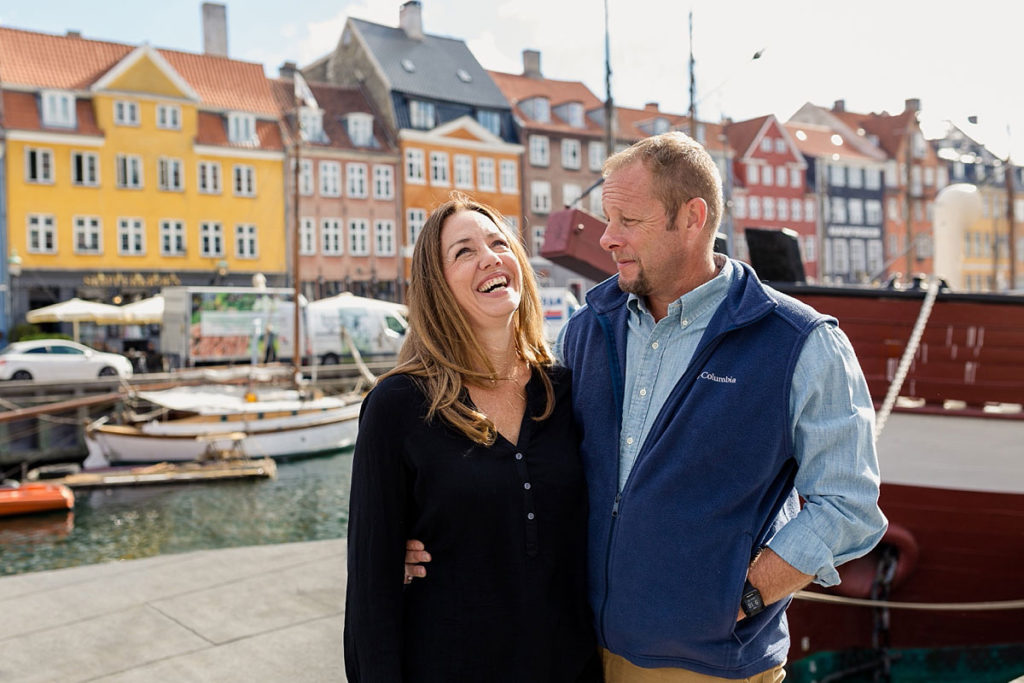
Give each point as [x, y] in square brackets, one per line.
[693, 214]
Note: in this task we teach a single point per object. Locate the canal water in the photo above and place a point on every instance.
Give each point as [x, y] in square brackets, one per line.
[307, 501]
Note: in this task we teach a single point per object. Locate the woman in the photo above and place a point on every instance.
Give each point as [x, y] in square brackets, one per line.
[468, 445]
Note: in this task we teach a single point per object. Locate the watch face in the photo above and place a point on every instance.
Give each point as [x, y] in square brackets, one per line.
[752, 603]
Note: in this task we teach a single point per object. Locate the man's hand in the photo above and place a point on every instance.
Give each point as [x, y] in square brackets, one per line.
[415, 555]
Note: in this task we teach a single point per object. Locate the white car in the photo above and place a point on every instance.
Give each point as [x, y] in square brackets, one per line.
[58, 359]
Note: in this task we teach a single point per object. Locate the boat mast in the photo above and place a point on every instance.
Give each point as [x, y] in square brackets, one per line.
[296, 237]
[609, 106]
[693, 85]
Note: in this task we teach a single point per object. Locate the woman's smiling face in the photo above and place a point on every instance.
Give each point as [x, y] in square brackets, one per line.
[481, 269]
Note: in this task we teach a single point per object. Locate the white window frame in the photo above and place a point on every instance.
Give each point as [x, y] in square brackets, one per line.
[855, 177]
[129, 172]
[540, 196]
[173, 238]
[307, 236]
[415, 169]
[39, 166]
[540, 150]
[485, 175]
[131, 236]
[330, 178]
[463, 167]
[809, 211]
[422, 115]
[306, 177]
[570, 193]
[439, 169]
[796, 208]
[595, 155]
[211, 239]
[383, 181]
[170, 174]
[384, 237]
[356, 184]
[781, 176]
[572, 154]
[753, 175]
[508, 176]
[244, 180]
[795, 177]
[168, 116]
[837, 210]
[58, 109]
[85, 169]
[414, 221]
[87, 234]
[359, 126]
[769, 208]
[42, 233]
[332, 236]
[767, 176]
[754, 207]
[242, 128]
[537, 240]
[246, 241]
[209, 174]
[126, 113]
[358, 237]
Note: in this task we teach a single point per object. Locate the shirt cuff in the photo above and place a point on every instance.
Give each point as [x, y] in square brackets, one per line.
[801, 548]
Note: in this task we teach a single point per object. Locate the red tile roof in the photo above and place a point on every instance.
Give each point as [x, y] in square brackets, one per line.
[336, 102]
[21, 112]
[817, 141]
[517, 88]
[212, 131]
[741, 135]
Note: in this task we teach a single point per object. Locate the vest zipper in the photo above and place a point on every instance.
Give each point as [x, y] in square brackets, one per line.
[607, 568]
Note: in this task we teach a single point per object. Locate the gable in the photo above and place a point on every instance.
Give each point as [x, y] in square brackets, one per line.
[145, 77]
[464, 133]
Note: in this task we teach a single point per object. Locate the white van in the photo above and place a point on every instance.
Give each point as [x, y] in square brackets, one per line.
[377, 328]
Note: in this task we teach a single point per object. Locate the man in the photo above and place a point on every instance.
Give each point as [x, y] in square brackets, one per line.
[726, 399]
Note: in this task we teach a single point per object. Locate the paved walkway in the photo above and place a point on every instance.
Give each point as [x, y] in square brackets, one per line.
[266, 613]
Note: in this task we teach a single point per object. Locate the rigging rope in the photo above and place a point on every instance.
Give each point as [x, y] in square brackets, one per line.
[925, 606]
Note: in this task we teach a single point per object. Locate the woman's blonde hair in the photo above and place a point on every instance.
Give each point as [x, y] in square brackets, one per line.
[440, 348]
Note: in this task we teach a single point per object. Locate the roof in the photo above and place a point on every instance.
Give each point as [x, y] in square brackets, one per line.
[889, 129]
[823, 142]
[436, 63]
[47, 61]
[336, 102]
[211, 131]
[519, 88]
[21, 112]
[742, 134]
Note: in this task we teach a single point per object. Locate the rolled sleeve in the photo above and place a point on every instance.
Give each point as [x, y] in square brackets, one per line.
[837, 476]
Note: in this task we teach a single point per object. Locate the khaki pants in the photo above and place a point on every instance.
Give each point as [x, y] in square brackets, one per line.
[619, 670]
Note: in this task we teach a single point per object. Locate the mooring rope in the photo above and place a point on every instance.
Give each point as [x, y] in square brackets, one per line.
[927, 606]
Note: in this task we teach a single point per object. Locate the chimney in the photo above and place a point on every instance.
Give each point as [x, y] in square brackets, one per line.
[410, 19]
[215, 29]
[72, 33]
[287, 71]
[912, 104]
[651, 106]
[531, 63]
[839, 106]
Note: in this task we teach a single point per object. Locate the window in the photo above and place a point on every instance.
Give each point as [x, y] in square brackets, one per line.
[838, 209]
[769, 208]
[570, 193]
[795, 177]
[840, 257]
[384, 238]
[211, 240]
[38, 165]
[359, 237]
[245, 241]
[330, 179]
[872, 180]
[537, 108]
[311, 124]
[126, 113]
[766, 175]
[439, 168]
[129, 171]
[491, 120]
[168, 116]
[573, 114]
[856, 209]
[172, 238]
[796, 208]
[895, 210]
[875, 260]
[42, 234]
[131, 237]
[752, 175]
[539, 152]
[929, 176]
[209, 177]
[780, 176]
[170, 174]
[305, 177]
[595, 155]
[892, 174]
[740, 206]
[383, 182]
[464, 171]
[507, 177]
[414, 169]
[85, 169]
[810, 249]
[855, 179]
[837, 176]
[357, 185]
[421, 114]
[596, 206]
[307, 236]
[242, 128]
[485, 174]
[537, 239]
[88, 235]
[755, 207]
[766, 144]
[245, 180]
[414, 220]
[780, 146]
[330, 237]
[360, 129]
[58, 109]
[783, 208]
[571, 153]
[540, 196]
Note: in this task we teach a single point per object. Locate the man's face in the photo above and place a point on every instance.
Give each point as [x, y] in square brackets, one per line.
[647, 255]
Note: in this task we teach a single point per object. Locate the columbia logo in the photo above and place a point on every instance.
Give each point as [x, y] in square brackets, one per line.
[715, 378]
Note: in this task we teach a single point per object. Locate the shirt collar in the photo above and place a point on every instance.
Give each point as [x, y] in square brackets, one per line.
[695, 303]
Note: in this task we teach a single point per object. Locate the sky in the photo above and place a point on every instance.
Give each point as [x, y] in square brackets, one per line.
[957, 58]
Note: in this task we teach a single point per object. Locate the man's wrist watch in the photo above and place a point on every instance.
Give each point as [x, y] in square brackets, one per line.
[751, 602]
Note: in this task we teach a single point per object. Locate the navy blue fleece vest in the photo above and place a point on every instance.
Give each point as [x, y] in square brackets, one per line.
[712, 483]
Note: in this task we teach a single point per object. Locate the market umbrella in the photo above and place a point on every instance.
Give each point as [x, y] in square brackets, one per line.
[72, 311]
[144, 311]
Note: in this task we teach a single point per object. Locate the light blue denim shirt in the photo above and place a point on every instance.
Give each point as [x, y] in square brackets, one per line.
[832, 418]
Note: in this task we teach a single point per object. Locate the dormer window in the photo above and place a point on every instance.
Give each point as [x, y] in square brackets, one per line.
[241, 128]
[537, 108]
[58, 109]
[571, 113]
[491, 120]
[421, 114]
[360, 129]
[660, 125]
[311, 124]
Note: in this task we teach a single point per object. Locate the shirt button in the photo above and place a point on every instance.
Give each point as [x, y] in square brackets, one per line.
[519, 456]
[684, 322]
[654, 345]
[526, 486]
[529, 515]
[630, 441]
[643, 392]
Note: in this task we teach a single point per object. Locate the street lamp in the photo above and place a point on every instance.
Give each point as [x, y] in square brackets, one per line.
[13, 272]
[222, 270]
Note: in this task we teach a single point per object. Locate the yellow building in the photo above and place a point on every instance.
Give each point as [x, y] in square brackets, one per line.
[986, 247]
[130, 168]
